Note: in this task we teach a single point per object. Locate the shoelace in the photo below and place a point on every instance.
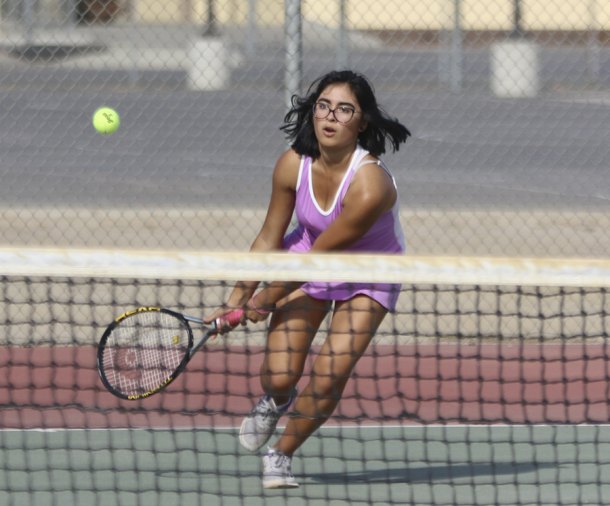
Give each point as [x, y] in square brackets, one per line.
[263, 411]
[278, 460]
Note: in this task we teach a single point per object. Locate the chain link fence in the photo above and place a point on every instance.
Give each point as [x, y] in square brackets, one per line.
[507, 100]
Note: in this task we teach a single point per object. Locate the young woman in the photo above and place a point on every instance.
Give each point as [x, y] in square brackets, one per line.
[345, 200]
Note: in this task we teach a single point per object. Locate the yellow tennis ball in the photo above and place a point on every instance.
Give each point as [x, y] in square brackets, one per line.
[106, 120]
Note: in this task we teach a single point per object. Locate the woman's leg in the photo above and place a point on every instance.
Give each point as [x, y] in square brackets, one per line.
[291, 332]
[353, 325]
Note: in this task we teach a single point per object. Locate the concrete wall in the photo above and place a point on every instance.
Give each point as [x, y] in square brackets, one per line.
[393, 14]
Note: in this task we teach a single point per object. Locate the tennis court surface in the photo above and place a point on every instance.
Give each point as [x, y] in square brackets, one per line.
[489, 385]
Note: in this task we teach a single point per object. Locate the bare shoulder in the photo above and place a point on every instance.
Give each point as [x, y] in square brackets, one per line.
[372, 171]
[372, 183]
[286, 170]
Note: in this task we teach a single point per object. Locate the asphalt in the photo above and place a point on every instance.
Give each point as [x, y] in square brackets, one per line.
[477, 165]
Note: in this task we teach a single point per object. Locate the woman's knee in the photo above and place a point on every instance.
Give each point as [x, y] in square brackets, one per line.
[279, 382]
[317, 403]
[326, 390]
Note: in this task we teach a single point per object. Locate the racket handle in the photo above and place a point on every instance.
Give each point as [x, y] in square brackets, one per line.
[230, 320]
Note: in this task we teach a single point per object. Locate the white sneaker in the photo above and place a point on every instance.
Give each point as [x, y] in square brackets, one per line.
[277, 472]
[259, 425]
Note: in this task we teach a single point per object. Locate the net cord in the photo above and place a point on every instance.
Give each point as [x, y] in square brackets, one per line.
[279, 266]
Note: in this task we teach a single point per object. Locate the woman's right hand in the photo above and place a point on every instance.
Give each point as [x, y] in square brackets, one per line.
[227, 317]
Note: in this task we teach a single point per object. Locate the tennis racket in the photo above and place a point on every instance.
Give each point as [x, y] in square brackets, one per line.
[144, 350]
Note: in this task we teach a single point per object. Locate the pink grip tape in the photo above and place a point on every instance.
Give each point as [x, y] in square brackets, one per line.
[230, 320]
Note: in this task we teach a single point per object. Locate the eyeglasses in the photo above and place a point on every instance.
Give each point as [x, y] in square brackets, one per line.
[342, 113]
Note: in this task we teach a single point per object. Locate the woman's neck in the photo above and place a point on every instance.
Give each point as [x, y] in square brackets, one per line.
[335, 159]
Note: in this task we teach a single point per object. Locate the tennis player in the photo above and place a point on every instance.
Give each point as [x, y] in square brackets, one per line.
[345, 200]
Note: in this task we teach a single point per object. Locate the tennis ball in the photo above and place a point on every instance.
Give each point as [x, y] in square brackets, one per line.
[106, 120]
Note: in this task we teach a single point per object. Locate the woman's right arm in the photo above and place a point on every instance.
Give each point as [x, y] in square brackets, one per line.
[281, 203]
[271, 235]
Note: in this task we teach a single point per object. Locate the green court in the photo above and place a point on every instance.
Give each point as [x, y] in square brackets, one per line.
[457, 465]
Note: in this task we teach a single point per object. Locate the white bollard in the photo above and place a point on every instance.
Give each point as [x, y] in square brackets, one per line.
[208, 64]
[514, 69]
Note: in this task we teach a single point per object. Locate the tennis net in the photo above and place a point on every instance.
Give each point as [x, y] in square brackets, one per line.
[488, 385]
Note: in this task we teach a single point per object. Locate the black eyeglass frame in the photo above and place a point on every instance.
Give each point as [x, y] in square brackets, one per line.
[329, 110]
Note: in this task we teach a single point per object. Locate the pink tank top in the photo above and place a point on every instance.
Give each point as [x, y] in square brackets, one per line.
[385, 235]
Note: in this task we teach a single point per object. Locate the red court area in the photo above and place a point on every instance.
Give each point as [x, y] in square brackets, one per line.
[58, 387]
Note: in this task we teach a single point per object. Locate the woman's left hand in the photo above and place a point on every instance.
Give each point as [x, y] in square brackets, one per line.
[254, 313]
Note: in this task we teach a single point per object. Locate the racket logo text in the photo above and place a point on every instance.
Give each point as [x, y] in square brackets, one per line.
[136, 311]
[135, 397]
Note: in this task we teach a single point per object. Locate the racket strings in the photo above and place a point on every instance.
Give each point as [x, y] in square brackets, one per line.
[144, 350]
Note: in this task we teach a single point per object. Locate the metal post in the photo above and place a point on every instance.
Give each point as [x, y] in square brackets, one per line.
[252, 29]
[593, 46]
[294, 50]
[28, 20]
[342, 57]
[517, 32]
[457, 50]
[211, 27]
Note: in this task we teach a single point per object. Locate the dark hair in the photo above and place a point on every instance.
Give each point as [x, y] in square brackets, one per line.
[298, 122]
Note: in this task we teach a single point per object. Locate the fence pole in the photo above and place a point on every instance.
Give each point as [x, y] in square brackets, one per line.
[28, 20]
[293, 34]
[593, 46]
[342, 58]
[457, 50]
[211, 27]
[252, 29]
[517, 31]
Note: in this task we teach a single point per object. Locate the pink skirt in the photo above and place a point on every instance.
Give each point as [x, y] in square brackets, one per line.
[385, 294]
